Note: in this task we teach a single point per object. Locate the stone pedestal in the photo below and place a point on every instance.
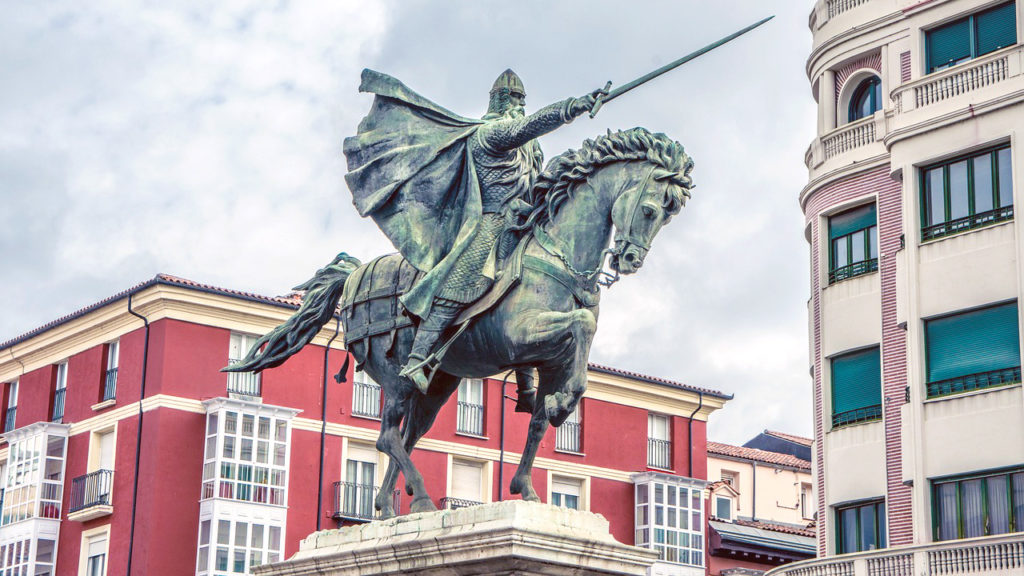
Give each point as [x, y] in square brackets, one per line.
[512, 537]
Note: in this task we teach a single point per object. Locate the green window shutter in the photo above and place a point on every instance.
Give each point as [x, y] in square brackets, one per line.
[949, 43]
[973, 342]
[856, 380]
[851, 221]
[996, 28]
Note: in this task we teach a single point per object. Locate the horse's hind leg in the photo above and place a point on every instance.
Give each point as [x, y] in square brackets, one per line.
[391, 443]
[421, 413]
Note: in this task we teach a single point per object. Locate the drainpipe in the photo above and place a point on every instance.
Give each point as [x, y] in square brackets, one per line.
[689, 437]
[323, 425]
[501, 438]
[753, 503]
[138, 434]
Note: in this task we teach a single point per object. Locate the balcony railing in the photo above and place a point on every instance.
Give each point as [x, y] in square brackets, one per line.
[110, 385]
[837, 7]
[1002, 554]
[58, 405]
[846, 138]
[967, 223]
[567, 437]
[866, 414]
[90, 490]
[973, 382]
[449, 503]
[470, 418]
[243, 383]
[659, 453]
[855, 269]
[9, 418]
[354, 501]
[958, 80]
[366, 399]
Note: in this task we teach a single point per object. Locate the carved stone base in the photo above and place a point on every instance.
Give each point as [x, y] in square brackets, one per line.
[512, 537]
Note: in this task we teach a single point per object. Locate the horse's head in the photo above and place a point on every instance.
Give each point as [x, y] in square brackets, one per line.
[655, 190]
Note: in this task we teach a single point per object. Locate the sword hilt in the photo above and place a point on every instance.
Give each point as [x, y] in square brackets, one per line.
[599, 101]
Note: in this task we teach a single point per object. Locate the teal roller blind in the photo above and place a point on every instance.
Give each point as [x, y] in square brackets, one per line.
[949, 43]
[973, 342]
[856, 380]
[996, 28]
[851, 221]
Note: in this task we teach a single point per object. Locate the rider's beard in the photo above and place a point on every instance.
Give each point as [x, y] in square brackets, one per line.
[515, 112]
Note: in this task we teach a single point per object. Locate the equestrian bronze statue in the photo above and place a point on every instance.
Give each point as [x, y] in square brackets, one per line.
[500, 258]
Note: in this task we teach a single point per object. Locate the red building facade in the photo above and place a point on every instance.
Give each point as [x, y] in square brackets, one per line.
[128, 451]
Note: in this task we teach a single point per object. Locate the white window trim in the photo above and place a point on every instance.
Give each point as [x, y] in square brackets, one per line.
[584, 487]
[94, 447]
[381, 462]
[487, 477]
[732, 507]
[846, 94]
[83, 552]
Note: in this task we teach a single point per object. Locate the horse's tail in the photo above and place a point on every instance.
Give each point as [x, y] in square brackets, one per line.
[319, 304]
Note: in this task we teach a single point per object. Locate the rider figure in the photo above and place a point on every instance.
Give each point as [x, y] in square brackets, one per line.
[507, 159]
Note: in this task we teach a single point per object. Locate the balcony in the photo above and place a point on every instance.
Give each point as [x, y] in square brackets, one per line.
[90, 496]
[366, 399]
[846, 138]
[110, 385]
[958, 80]
[243, 384]
[355, 502]
[1002, 554]
[967, 223]
[470, 419]
[866, 414]
[973, 382]
[567, 437]
[58, 405]
[659, 453]
[449, 503]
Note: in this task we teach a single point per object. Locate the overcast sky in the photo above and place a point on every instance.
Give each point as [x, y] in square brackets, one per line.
[204, 140]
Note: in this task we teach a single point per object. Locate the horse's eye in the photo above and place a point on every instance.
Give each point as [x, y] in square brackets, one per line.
[648, 212]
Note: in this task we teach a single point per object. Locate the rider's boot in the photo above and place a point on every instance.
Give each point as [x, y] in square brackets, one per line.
[417, 369]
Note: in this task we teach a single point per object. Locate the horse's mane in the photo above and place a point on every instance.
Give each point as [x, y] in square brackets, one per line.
[556, 183]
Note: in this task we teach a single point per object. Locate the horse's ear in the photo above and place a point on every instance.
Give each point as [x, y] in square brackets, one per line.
[661, 174]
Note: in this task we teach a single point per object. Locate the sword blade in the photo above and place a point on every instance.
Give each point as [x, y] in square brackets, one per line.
[672, 65]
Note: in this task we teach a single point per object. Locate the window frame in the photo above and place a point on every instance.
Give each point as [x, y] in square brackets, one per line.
[470, 418]
[719, 499]
[653, 452]
[872, 86]
[1015, 524]
[869, 413]
[964, 383]
[972, 39]
[851, 268]
[881, 527]
[973, 220]
[569, 436]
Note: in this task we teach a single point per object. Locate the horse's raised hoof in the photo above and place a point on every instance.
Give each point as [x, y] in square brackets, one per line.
[526, 400]
[424, 504]
[524, 487]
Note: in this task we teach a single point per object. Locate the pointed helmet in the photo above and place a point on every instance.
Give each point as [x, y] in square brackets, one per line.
[506, 84]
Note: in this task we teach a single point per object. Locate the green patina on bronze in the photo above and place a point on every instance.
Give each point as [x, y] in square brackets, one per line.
[499, 261]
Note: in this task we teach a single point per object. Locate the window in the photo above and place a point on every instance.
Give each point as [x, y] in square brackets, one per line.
[853, 243]
[27, 556]
[246, 455]
[242, 384]
[229, 547]
[110, 379]
[566, 492]
[365, 395]
[12, 406]
[971, 37]
[670, 517]
[979, 505]
[60, 386]
[96, 559]
[358, 488]
[471, 407]
[35, 475]
[966, 193]
[806, 502]
[860, 527]
[659, 442]
[567, 436]
[972, 350]
[731, 478]
[866, 99]
[94, 488]
[856, 387]
[467, 484]
[723, 508]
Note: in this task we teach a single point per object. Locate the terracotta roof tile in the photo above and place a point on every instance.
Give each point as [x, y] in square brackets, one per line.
[790, 437]
[758, 455]
[657, 380]
[808, 531]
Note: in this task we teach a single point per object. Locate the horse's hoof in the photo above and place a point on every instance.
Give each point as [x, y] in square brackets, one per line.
[524, 488]
[386, 513]
[422, 505]
[408, 489]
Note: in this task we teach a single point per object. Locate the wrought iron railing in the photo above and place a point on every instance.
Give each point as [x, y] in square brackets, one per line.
[449, 503]
[243, 383]
[110, 385]
[366, 399]
[855, 269]
[567, 437]
[971, 382]
[93, 489]
[9, 418]
[858, 415]
[470, 418]
[659, 453]
[967, 223]
[354, 501]
[58, 405]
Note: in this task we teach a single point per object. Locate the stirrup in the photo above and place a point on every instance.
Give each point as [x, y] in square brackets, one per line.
[415, 372]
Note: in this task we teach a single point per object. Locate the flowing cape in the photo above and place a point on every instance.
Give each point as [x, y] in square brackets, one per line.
[410, 169]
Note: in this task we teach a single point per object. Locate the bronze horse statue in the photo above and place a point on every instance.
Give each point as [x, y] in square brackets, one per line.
[542, 317]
